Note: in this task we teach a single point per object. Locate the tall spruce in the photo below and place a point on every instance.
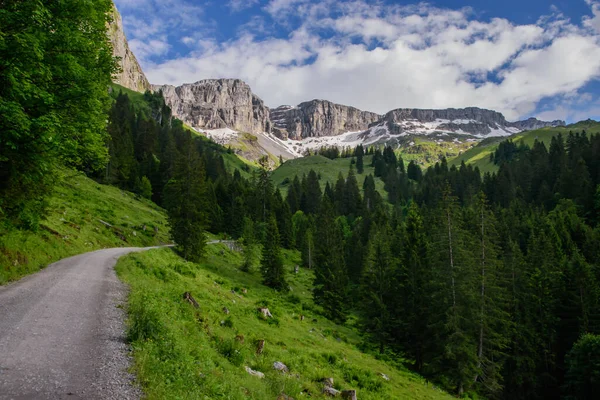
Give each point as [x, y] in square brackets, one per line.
[185, 202]
[378, 288]
[331, 279]
[271, 264]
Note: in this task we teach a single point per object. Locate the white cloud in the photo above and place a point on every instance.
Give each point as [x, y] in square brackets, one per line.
[379, 57]
[593, 22]
[240, 5]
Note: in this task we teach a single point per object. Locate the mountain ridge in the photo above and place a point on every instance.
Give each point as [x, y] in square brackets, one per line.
[230, 103]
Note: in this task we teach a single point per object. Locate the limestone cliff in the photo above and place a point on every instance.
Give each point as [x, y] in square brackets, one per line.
[318, 118]
[131, 75]
[218, 103]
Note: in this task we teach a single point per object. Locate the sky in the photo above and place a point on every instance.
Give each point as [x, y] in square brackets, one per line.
[524, 58]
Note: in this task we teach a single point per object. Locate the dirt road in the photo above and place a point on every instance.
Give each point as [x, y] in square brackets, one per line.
[62, 332]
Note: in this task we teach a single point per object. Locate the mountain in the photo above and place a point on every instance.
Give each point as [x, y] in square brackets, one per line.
[217, 104]
[318, 118]
[467, 121]
[227, 109]
[131, 75]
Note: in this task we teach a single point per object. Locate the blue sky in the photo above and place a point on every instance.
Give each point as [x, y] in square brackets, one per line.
[521, 57]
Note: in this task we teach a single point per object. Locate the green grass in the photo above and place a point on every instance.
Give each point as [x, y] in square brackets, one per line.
[480, 155]
[427, 151]
[326, 168]
[186, 353]
[137, 98]
[73, 226]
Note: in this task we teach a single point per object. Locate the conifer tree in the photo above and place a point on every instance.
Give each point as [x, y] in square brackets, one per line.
[185, 202]
[413, 278]
[352, 199]
[331, 279]
[455, 353]
[378, 288]
[249, 246]
[360, 163]
[271, 264]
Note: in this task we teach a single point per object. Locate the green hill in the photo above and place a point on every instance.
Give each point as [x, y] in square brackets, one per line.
[480, 155]
[327, 169]
[83, 216]
[187, 353]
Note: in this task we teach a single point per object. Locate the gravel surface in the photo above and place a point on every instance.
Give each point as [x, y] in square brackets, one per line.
[62, 332]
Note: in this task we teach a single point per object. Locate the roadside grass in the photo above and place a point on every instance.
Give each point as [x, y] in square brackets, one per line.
[186, 353]
[73, 226]
[327, 169]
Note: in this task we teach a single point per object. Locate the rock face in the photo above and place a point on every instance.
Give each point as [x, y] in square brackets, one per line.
[318, 118]
[131, 75]
[534, 123]
[216, 104]
[471, 121]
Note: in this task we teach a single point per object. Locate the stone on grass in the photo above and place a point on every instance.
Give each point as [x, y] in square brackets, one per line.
[279, 366]
[254, 373]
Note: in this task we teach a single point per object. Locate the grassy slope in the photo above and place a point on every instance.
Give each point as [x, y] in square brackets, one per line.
[426, 152]
[329, 170]
[73, 227]
[480, 155]
[183, 353]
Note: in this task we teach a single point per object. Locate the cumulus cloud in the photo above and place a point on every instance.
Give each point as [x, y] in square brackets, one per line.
[379, 57]
[593, 22]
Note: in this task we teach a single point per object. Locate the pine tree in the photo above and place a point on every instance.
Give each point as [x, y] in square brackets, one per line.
[493, 323]
[378, 288]
[331, 280]
[455, 353]
[413, 278]
[271, 265]
[360, 164]
[313, 193]
[352, 200]
[185, 202]
[249, 246]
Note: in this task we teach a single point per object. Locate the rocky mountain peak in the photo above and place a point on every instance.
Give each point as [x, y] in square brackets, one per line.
[216, 104]
[318, 118]
[131, 75]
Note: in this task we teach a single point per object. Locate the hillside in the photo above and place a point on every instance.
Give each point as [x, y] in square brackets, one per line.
[182, 352]
[83, 216]
[323, 166]
[480, 155]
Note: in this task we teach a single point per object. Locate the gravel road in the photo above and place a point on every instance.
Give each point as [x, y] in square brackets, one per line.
[62, 333]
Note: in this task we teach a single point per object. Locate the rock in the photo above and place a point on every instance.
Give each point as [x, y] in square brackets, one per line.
[384, 376]
[187, 296]
[472, 121]
[284, 396]
[349, 394]
[329, 391]
[131, 75]
[319, 118]
[279, 366]
[265, 312]
[260, 346]
[328, 382]
[216, 104]
[245, 291]
[254, 373]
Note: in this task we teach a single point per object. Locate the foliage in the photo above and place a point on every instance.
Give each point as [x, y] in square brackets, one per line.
[55, 65]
